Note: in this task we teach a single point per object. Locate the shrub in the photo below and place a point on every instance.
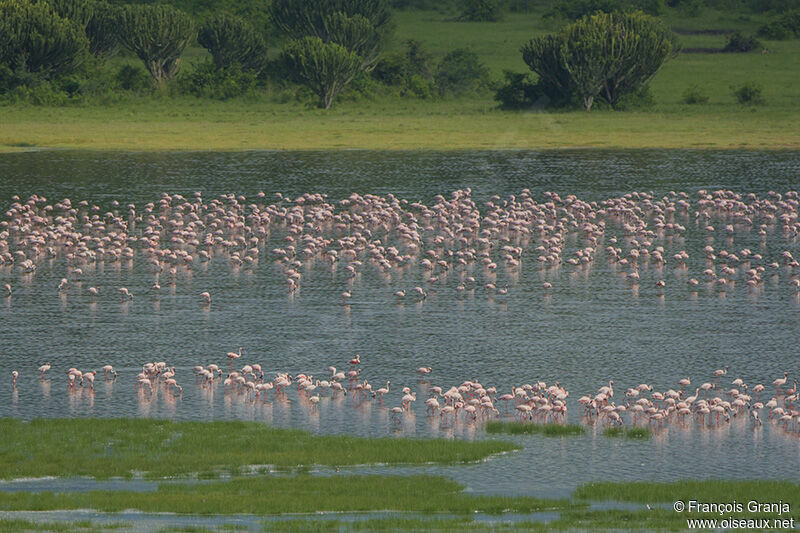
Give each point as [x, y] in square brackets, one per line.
[408, 70]
[480, 10]
[748, 93]
[232, 40]
[209, 81]
[694, 95]
[738, 42]
[459, 72]
[575, 9]
[519, 92]
[786, 26]
[157, 34]
[35, 39]
[132, 78]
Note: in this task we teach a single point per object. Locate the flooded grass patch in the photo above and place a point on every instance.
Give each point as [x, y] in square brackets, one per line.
[530, 428]
[628, 433]
[268, 495]
[104, 448]
[711, 490]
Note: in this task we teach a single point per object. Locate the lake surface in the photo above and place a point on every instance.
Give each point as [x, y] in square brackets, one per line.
[591, 327]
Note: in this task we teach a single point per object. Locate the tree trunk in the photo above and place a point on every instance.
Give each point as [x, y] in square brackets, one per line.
[587, 102]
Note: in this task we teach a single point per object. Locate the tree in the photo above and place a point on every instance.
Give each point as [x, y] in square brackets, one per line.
[546, 56]
[33, 38]
[157, 34]
[79, 11]
[232, 40]
[640, 45]
[460, 71]
[603, 55]
[326, 68]
[102, 30]
[365, 33]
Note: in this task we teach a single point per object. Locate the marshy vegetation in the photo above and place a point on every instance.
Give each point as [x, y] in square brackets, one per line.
[103, 448]
[550, 429]
[636, 432]
[267, 495]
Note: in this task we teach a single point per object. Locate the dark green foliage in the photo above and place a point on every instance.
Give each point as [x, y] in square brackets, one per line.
[131, 78]
[103, 29]
[480, 10]
[739, 42]
[520, 92]
[748, 93]
[361, 26]
[694, 95]
[34, 39]
[785, 26]
[550, 429]
[157, 34]
[461, 72]
[325, 68]
[409, 70]
[210, 81]
[78, 11]
[576, 9]
[232, 40]
[604, 55]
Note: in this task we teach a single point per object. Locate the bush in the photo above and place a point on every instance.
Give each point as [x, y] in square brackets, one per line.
[786, 26]
[480, 11]
[131, 78]
[232, 40]
[694, 95]
[35, 39]
[460, 72]
[209, 81]
[748, 93]
[409, 70]
[519, 92]
[575, 9]
[738, 42]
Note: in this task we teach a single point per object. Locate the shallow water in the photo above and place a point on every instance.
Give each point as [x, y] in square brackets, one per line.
[591, 328]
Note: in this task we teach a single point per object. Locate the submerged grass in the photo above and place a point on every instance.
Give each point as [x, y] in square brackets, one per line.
[711, 490]
[104, 448]
[266, 495]
[530, 428]
[628, 432]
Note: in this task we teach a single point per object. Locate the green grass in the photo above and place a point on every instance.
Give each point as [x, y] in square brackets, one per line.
[104, 448]
[470, 122]
[267, 495]
[628, 432]
[85, 526]
[530, 428]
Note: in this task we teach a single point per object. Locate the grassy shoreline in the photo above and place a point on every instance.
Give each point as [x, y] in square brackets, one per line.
[104, 448]
[235, 126]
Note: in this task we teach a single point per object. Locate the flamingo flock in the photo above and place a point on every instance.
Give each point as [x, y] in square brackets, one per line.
[454, 245]
[713, 403]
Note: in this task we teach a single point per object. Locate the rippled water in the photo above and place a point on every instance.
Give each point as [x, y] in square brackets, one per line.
[591, 328]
